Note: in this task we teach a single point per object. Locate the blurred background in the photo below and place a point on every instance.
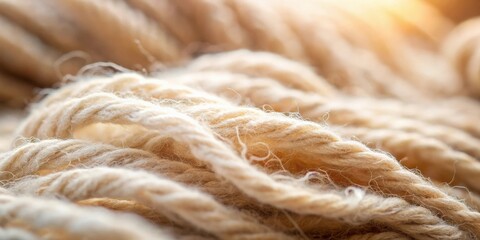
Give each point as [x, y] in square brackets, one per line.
[360, 47]
[457, 11]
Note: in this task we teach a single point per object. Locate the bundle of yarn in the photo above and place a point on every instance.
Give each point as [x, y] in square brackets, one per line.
[238, 119]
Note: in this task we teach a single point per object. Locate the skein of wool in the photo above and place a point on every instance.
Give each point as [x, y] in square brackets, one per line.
[272, 139]
[237, 119]
[419, 148]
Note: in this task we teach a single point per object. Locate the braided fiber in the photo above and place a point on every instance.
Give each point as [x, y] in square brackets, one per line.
[238, 119]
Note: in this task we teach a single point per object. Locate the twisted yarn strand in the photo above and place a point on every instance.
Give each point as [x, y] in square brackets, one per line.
[265, 65]
[272, 119]
[237, 176]
[418, 148]
[75, 222]
[285, 133]
[157, 193]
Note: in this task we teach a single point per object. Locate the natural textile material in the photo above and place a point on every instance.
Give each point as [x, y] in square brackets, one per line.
[191, 161]
[237, 119]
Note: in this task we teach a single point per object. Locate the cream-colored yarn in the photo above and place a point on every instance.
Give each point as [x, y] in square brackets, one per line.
[21, 163]
[401, 139]
[152, 192]
[246, 178]
[289, 73]
[14, 233]
[133, 83]
[172, 114]
[72, 222]
[462, 112]
[240, 119]
[280, 69]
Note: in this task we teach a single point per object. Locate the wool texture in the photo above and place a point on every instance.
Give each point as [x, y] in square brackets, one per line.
[238, 119]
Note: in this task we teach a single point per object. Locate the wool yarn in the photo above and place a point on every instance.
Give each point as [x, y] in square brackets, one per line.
[237, 119]
[259, 91]
[68, 221]
[188, 104]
